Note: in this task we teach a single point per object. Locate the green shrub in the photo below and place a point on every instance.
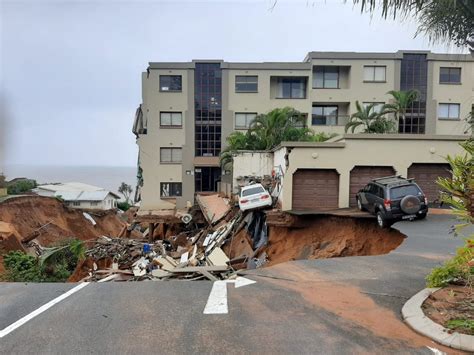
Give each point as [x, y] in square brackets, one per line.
[21, 267]
[466, 325]
[459, 269]
[21, 186]
[55, 265]
[124, 206]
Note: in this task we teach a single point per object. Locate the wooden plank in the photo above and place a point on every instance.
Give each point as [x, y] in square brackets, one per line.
[200, 268]
[208, 275]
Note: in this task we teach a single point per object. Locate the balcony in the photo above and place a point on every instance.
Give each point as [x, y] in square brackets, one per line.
[330, 114]
[331, 77]
[288, 87]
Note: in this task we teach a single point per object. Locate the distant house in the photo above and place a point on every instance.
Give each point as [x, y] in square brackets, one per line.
[79, 195]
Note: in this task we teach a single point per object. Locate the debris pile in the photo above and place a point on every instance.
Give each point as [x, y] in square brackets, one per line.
[190, 255]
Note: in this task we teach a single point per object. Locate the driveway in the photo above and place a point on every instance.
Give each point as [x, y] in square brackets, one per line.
[325, 306]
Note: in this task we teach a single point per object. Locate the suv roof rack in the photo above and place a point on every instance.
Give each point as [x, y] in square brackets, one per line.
[393, 180]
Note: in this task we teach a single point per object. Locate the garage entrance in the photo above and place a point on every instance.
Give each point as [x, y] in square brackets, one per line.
[426, 174]
[361, 176]
[315, 190]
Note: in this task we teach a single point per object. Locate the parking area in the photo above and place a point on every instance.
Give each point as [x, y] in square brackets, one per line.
[325, 305]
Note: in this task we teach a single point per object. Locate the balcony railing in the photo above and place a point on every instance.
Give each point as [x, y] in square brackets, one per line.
[329, 120]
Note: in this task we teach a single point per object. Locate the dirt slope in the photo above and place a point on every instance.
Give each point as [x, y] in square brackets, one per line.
[28, 213]
[329, 237]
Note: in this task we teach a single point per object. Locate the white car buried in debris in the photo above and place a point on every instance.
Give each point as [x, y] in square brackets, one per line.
[254, 196]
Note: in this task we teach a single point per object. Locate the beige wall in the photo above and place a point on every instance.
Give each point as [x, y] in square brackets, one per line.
[462, 94]
[262, 101]
[251, 164]
[149, 144]
[399, 153]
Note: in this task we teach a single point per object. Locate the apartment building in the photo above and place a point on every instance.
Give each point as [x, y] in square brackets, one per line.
[189, 109]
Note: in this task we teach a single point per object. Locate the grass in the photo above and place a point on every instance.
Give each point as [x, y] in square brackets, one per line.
[465, 325]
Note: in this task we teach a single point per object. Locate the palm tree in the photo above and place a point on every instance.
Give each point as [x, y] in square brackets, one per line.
[280, 124]
[267, 131]
[402, 101]
[448, 21]
[371, 120]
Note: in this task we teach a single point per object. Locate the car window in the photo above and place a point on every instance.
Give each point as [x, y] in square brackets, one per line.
[402, 191]
[373, 189]
[253, 191]
[380, 192]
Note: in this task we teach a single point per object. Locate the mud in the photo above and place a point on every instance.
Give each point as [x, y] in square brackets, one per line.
[329, 237]
[27, 214]
[349, 303]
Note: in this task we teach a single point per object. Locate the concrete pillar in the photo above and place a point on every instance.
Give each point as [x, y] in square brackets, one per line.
[344, 187]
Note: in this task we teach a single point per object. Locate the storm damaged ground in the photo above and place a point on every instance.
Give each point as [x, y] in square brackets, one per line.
[205, 247]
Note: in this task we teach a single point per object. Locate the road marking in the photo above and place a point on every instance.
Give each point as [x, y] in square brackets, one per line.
[217, 301]
[40, 310]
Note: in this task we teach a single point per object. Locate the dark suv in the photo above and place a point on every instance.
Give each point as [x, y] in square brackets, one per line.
[393, 199]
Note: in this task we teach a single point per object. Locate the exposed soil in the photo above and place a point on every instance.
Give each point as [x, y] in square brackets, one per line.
[350, 304]
[27, 214]
[451, 303]
[329, 237]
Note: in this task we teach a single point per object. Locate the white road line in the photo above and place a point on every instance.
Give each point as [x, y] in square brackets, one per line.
[217, 301]
[40, 310]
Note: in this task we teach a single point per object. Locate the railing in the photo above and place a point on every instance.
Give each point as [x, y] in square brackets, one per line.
[329, 120]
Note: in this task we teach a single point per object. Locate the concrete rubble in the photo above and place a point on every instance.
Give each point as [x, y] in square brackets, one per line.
[195, 253]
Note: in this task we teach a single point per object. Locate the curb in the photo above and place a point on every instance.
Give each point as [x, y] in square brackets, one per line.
[416, 319]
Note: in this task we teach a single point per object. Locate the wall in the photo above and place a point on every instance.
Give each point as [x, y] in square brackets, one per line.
[388, 150]
[149, 144]
[251, 164]
[462, 94]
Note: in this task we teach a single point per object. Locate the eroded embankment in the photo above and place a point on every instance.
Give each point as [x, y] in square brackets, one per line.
[329, 237]
[56, 221]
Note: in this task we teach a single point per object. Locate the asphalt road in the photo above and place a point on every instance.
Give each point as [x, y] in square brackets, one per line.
[331, 306]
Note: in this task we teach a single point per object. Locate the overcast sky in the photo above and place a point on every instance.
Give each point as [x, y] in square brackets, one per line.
[70, 70]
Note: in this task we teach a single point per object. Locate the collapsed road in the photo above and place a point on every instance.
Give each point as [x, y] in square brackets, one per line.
[305, 306]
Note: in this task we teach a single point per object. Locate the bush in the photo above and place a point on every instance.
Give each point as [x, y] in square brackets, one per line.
[55, 265]
[124, 206]
[21, 186]
[458, 270]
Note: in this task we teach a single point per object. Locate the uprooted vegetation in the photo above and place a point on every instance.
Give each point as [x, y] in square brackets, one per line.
[204, 248]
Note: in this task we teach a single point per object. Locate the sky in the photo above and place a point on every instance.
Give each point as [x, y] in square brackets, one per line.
[70, 70]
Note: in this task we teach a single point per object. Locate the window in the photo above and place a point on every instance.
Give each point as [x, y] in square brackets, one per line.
[377, 106]
[324, 116]
[401, 191]
[244, 119]
[326, 77]
[246, 83]
[171, 189]
[253, 191]
[450, 75]
[170, 155]
[374, 73]
[170, 83]
[449, 111]
[94, 203]
[171, 119]
[291, 88]
[76, 203]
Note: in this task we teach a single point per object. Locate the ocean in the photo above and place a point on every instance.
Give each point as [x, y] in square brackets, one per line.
[108, 177]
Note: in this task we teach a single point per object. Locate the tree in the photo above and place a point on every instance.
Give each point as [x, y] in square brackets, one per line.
[402, 101]
[125, 190]
[447, 21]
[267, 131]
[371, 120]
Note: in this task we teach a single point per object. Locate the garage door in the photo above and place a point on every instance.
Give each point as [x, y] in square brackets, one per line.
[425, 176]
[361, 176]
[315, 189]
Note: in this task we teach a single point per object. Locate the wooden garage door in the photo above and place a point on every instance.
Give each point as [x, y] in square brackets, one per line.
[426, 175]
[361, 176]
[315, 189]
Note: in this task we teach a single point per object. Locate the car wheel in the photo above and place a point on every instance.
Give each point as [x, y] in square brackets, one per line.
[382, 221]
[359, 205]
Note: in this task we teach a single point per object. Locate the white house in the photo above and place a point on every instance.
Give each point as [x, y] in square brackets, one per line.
[79, 195]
